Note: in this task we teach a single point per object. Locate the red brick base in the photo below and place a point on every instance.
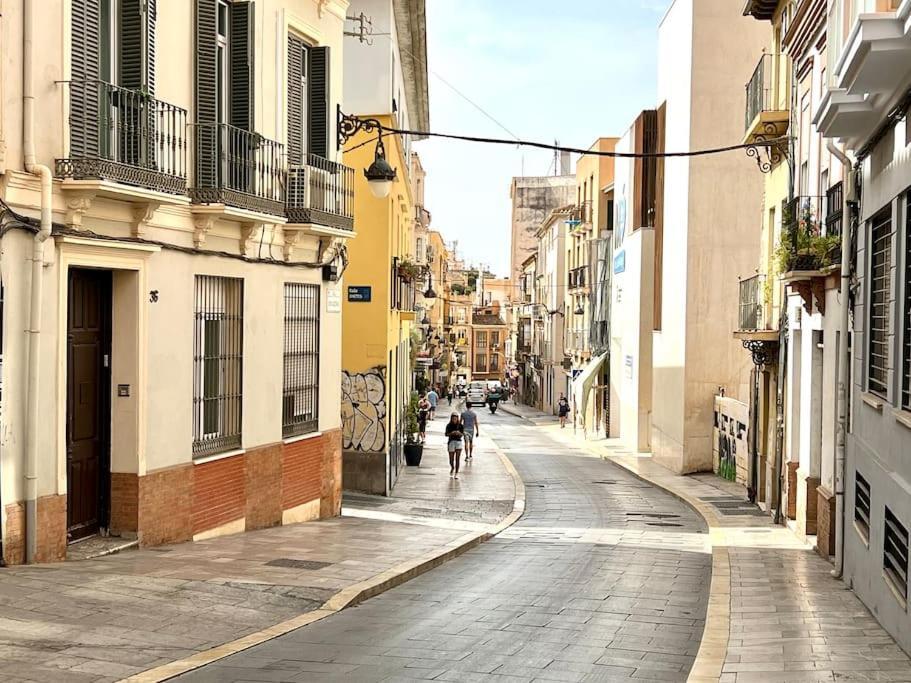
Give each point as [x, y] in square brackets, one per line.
[174, 504]
[792, 490]
[812, 483]
[825, 522]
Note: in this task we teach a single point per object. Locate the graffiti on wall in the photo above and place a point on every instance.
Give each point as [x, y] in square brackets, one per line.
[731, 451]
[364, 410]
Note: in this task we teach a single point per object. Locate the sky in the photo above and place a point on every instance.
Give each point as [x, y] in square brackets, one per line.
[544, 74]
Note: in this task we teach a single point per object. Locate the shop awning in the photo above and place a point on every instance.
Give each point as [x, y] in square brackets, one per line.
[582, 384]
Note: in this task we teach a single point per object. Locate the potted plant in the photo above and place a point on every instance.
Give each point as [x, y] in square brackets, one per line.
[408, 270]
[414, 449]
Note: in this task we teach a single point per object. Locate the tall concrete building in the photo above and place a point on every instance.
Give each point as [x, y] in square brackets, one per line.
[533, 198]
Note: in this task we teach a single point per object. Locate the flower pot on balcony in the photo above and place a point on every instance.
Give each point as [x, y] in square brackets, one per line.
[413, 454]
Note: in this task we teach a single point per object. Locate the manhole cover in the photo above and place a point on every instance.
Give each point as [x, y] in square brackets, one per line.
[291, 563]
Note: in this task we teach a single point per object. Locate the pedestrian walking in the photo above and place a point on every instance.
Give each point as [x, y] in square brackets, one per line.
[433, 397]
[423, 412]
[449, 395]
[454, 444]
[563, 410]
[470, 430]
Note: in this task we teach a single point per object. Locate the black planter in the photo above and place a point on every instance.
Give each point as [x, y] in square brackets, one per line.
[413, 454]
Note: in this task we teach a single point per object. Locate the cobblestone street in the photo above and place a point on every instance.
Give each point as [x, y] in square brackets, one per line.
[604, 577]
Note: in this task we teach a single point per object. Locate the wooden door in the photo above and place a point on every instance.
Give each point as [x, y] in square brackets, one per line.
[88, 401]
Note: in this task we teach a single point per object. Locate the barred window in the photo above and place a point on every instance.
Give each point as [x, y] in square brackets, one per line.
[862, 505]
[217, 364]
[906, 378]
[300, 386]
[878, 317]
[895, 553]
[480, 340]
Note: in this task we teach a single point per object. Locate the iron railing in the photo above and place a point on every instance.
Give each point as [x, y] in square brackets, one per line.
[300, 386]
[577, 340]
[403, 289]
[835, 196]
[239, 168]
[127, 136]
[578, 277]
[752, 307]
[763, 92]
[806, 243]
[321, 192]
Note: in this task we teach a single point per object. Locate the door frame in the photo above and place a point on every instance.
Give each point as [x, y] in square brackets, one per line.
[104, 397]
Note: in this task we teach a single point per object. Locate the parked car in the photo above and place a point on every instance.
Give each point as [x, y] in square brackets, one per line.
[477, 394]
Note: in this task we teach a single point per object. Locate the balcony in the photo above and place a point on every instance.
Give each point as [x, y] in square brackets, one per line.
[577, 341]
[321, 193]
[767, 114]
[871, 63]
[578, 277]
[753, 328]
[127, 137]
[808, 253]
[403, 289]
[239, 169]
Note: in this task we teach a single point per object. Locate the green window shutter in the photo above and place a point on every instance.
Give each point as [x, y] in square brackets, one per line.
[242, 48]
[206, 94]
[85, 71]
[297, 53]
[137, 73]
[319, 102]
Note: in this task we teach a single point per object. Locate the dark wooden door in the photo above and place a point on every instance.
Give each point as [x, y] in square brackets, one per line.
[88, 401]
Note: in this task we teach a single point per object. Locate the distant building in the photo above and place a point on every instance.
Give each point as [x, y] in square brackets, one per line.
[533, 198]
[488, 330]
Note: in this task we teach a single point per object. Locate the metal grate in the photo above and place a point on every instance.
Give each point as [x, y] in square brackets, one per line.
[862, 504]
[751, 303]
[300, 386]
[878, 318]
[906, 377]
[291, 563]
[895, 554]
[217, 364]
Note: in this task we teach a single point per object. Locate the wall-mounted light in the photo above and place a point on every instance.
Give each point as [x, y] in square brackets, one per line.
[380, 175]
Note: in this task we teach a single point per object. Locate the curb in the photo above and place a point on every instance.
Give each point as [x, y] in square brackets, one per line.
[713, 647]
[350, 596]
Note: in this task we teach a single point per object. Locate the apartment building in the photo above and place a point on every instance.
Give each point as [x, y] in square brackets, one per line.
[864, 110]
[385, 79]
[533, 198]
[174, 246]
[588, 283]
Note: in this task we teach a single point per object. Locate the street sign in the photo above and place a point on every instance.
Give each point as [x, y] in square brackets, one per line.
[360, 293]
[620, 261]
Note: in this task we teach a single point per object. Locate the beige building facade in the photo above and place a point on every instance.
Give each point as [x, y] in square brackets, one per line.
[175, 254]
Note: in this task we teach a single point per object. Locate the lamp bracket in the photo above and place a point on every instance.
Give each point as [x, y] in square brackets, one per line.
[349, 125]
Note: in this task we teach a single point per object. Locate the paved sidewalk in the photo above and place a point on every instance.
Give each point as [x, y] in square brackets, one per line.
[116, 616]
[775, 612]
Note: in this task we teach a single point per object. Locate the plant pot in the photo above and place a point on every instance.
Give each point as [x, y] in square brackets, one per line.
[413, 454]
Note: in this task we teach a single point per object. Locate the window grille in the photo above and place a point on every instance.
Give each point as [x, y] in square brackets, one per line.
[895, 554]
[878, 317]
[480, 341]
[300, 386]
[862, 504]
[217, 364]
[906, 378]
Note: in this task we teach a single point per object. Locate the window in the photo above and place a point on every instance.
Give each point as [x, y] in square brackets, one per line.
[895, 554]
[480, 362]
[217, 364]
[494, 362]
[495, 339]
[222, 64]
[300, 384]
[480, 340]
[878, 317]
[862, 505]
[906, 377]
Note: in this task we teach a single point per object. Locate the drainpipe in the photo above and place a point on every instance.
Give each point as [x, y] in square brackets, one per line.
[34, 322]
[843, 361]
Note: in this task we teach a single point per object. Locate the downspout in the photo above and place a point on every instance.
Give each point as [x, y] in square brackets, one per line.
[843, 363]
[34, 321]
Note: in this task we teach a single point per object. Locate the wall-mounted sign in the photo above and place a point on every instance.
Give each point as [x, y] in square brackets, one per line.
[333, 298]
[628, 366]
[620, 261]
[360, 293]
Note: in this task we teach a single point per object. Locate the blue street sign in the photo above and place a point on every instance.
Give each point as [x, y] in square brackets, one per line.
[359, 293]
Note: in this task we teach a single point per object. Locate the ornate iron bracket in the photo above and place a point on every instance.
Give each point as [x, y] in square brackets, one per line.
[348, 126]
[760, 350]
[769, 142]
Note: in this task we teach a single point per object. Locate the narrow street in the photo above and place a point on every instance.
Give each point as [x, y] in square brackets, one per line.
[603, 578]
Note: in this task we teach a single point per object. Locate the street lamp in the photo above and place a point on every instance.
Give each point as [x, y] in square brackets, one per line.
[579, 311]
[380, 175]
[430, 294]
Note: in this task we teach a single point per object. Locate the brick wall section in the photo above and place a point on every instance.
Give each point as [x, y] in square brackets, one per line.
[218, 493]
[51, 541]
[165, 504]
[331, 484]
[825, 522]
[14, 538]
[792, 490]
[263, 474]
[812, 483]
[302, 463]
[124, 502]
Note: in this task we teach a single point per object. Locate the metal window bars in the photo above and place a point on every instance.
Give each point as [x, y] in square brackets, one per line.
[895, 553]
[321, 192]
[300, 383]
[862, 504]
[217, 364]
[752, 309]
[880, 295]
[906, 377]
[764, 92]
[129, 137]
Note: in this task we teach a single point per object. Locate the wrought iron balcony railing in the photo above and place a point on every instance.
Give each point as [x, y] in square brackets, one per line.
[321, 192]
[125, 136]
[767, 92]
[752, 307]
[835, 196]
[404, 290]
[806, 244]
[238, 168]
[578, 277]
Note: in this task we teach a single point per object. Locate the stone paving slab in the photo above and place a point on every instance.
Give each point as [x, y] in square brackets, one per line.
[775, 612]
[114, 617]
